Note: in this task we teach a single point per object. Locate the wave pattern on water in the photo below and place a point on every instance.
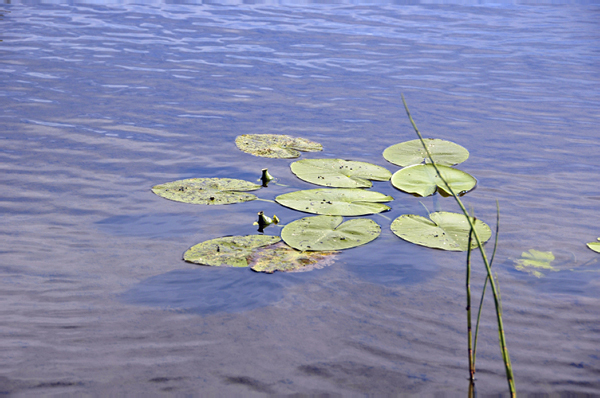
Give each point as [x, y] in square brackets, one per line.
[102, 102]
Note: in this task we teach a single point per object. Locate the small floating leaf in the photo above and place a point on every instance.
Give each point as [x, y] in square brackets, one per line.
[534, 261]
[228, 251]
[339, 173]
[207, 191]
[422, 179]
[280, 257]
[336, 202]
[595, 246]
[275, 145]
[444, 153]
[329, 233]
[444, 230]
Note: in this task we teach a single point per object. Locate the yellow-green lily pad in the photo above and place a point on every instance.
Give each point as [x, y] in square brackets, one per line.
[339, 173]
[280, 257]
[408, 153]
[275, 145]
[207, 191]
[535, 261]
[336, 202]
[329, 233]
[228, 251]
[595, 246]
[423, 180]
[444, 230]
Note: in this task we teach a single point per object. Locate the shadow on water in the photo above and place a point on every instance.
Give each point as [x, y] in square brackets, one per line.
[209, 290]
[391, 273]
[383, 266]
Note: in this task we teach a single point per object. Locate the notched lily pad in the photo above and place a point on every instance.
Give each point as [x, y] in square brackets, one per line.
[595, 246]
[535, 261]
[329, 233]
[228, 251]
[444, 230]
[339, 173]
[408, 153]
[423, 180]
[275, 145]
[280, 257]
[207, 191]
[336, 202]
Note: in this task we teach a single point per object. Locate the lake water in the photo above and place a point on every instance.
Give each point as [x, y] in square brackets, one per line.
[101, 102]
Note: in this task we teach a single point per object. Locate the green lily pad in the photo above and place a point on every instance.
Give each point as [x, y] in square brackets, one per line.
[280, 257]
[408, 153]
[535, 261]
[207, 191]
[444, 230]
[329, 233]
[275, 145]
[339, 173]
[423, 180]
[336, 202]
[228, 251]
[595, 246]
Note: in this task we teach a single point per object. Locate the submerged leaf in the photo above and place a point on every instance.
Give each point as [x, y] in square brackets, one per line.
[444, 230]
[595, 246]
[207, 191]
[336, 202]
[535, 261]
[408, 153]
[228, 251]
[339, 173]
[280, 257]
[275, 145]
[423, 180]
[329, 233]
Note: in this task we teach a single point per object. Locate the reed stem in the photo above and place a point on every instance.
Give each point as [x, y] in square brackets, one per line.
[469, 332]
[485, 284]
[501, 336]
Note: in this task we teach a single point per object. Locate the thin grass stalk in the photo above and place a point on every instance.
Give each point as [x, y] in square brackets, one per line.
[501, 337]
[485, 284]
[469, 332]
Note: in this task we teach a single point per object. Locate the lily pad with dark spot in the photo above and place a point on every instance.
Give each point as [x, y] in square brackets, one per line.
[339, 173]
[329, 233]
[207, 191]
[281, 257]
[336, 201]
[275, 145]
[443, 230]
[228, 251]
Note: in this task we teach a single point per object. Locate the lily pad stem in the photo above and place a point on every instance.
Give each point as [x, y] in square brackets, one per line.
[266, 200]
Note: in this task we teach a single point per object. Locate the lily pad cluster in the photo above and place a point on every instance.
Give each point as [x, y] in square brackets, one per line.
[419, 177]
[313, 242]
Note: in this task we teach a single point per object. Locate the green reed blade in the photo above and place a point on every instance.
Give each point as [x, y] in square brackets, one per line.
[501, 336]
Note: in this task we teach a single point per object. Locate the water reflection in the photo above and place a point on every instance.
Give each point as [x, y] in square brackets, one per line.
[208, 290]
